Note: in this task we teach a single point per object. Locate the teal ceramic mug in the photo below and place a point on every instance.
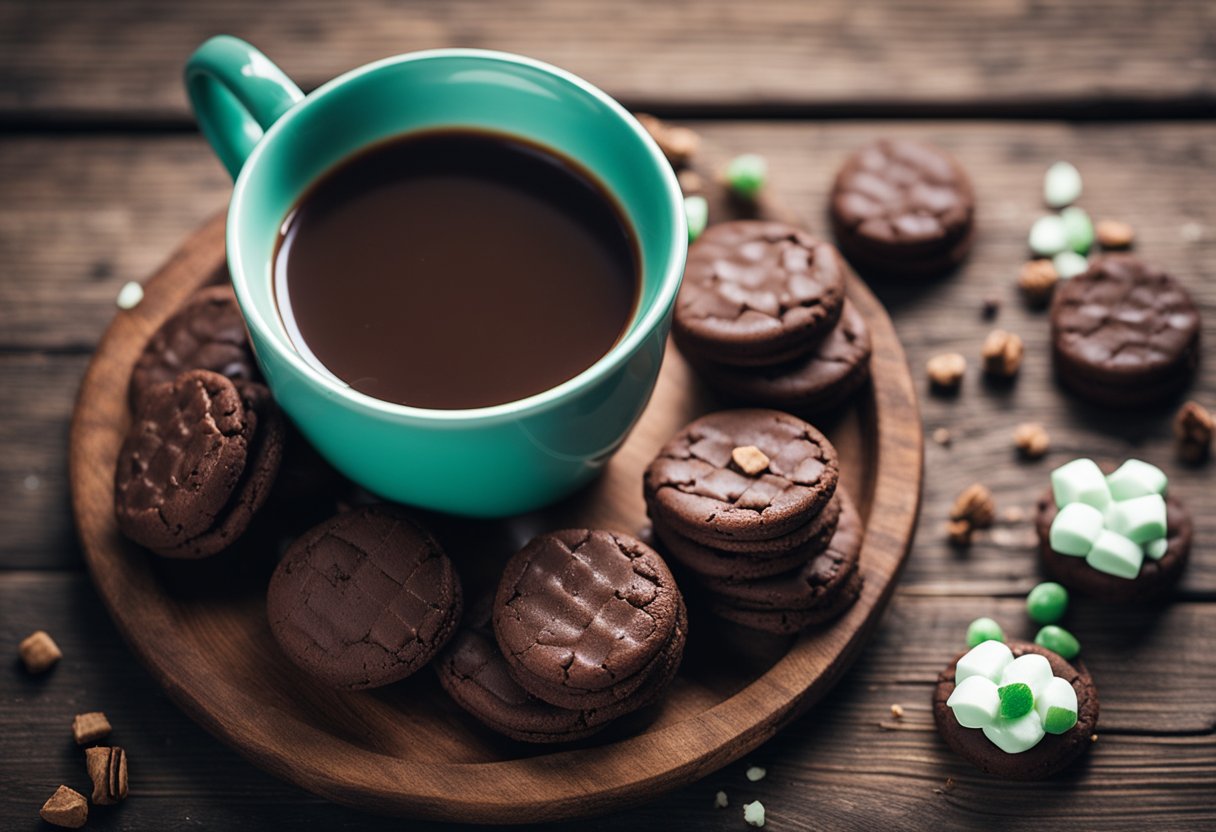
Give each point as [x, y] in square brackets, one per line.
[275, 141]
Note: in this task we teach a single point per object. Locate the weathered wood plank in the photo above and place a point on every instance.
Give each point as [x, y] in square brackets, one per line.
[79, 58]
[1157, 176]
[818, 775]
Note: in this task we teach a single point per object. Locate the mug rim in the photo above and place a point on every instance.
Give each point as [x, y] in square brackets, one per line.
[649, 318]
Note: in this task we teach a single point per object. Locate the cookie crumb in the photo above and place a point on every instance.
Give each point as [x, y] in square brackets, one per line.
[39, 652]
[90, 727]
[679, 144]
[946, 371]
[66, 808]
[1031, 439]
[1193, 427]
[973, 509]
[949, 783]
[1037, 281]
[720, 801]
[130, 295]
[1114, 234]
[1002, 354]
[1093, 737]
[753, 813]
[990, 308]
[108, 771]
[750, 459]
[897, 711]
[942, 437]
[756, 773]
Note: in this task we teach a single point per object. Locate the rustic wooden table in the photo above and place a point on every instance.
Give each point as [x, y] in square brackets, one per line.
[103, 173]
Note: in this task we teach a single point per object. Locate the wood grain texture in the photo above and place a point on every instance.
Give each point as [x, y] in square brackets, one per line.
[403, 750]
[817, 779]
[832, 53]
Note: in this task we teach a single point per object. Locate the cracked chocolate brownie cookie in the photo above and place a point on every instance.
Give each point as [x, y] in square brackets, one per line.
[207, 333]
[902, 208]
[694, 486]
[588, 619]
[757, 293]
[364, 599]
[197, 464]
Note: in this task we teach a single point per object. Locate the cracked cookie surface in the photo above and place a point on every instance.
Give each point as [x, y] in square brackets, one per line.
[693, 487]
[364, 599]
[583, 617]
[757, 292]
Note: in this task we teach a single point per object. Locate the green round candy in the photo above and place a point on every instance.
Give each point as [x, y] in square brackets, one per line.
[983, 629]
[745, 175]
[1047, 602]
[1016, 700]
[1058, 640]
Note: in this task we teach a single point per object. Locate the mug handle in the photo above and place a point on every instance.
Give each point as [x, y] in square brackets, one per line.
[236, 93]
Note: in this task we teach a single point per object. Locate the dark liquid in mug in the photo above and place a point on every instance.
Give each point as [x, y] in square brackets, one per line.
[456, 269]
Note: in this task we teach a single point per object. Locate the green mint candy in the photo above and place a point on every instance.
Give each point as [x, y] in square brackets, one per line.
[1069, 264]
[1059, 641]
[1059, 720]
[983, 629]
[1016, 700]
[1061, 185]
[1047, 602]
[697, 211]
[1080, 481]
[1114, 554]
[1048, 237]
[745, 175]
[1136, 478]
[1078, 228]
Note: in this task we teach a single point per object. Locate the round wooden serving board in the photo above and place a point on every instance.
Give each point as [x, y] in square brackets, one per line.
[201, 628]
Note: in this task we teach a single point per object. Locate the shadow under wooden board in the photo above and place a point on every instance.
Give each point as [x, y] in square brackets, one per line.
[201, 628]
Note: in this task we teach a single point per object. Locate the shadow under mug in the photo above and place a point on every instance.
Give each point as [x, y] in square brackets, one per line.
[490, 461]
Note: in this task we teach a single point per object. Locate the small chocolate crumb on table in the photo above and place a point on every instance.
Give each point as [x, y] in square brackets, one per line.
[104, 174]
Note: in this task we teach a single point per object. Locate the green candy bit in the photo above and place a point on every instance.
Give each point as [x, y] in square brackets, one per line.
[1059, 720]
[1061, 185]
[696, 209]
[1069, 264]
[745, 175]
[1059, 641]
[1078, 229]
[1046, 603]
[983, 629]
[1016, 700]
[1048, 236]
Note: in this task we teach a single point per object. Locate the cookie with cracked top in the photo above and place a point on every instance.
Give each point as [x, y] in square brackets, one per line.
[1124, 333]
[818, 382]
[903, 208]
[206, 333]
[364, 599]
[694, 488]
[182, 461]
[1156, 579]
[585, 619]
[1052, 754]
[757, 293]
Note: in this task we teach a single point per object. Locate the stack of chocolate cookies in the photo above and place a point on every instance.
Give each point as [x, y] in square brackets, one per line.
[762, 316]
[747, 503]
[586, 626]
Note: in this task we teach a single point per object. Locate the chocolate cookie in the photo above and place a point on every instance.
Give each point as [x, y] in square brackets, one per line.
[207, 333]
[584, 617]
[695, 489]
[1156, 578]
[364, 599]
[818, 592]
[474, 673]
[714, 562]
[1124, 333]
[757, 292]
[901, 207]
[182, 461]
[1052, 754]
[816, 383]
